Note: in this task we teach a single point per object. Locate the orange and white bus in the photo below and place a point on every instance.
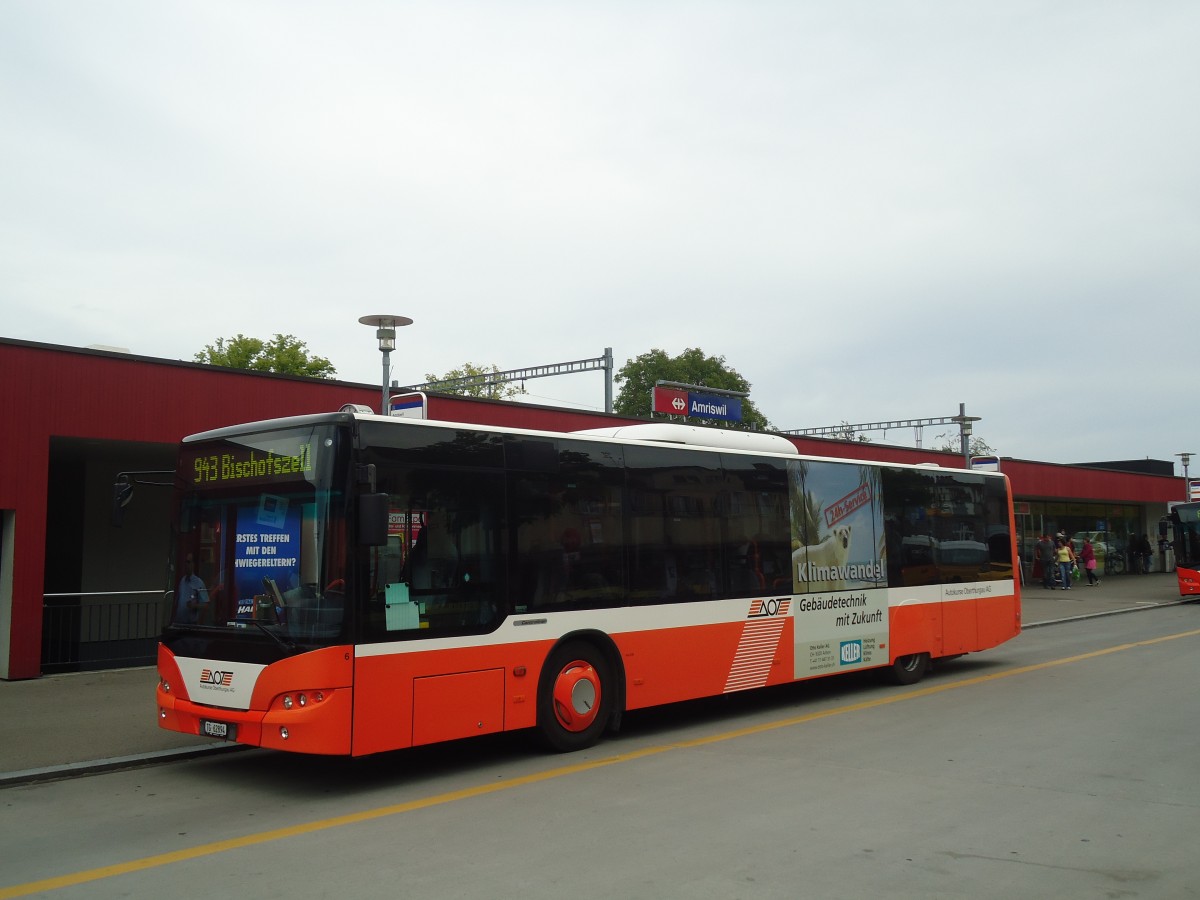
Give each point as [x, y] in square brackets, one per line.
[1185, 522]
[350, 584]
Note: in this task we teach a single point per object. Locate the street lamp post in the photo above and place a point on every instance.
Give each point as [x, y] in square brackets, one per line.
[1186, 458]
[385, 330]
[964, 432]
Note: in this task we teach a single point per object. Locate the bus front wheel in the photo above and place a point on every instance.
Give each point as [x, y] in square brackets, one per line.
[908, 669]
[574, 697]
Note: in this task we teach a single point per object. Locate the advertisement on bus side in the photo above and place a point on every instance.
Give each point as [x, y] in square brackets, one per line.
[839, 567]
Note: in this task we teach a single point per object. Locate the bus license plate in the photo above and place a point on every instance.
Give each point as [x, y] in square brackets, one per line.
[222, 730]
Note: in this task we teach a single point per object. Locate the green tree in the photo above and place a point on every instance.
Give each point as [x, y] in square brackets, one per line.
[951, 442]
[638, 376]
[483, 387]
[284, 354]
[846, 432]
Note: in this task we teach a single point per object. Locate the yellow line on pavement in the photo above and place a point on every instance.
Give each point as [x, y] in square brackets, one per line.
[263, 837]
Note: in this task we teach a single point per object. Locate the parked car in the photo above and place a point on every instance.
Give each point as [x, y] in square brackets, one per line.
[1100, 545]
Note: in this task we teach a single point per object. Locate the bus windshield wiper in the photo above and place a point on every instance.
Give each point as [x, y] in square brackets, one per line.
[286, 643]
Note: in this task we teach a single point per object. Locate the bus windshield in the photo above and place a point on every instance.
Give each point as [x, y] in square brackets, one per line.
[261, 538]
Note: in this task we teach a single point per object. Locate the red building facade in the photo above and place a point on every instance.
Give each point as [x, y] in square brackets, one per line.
[72, 418]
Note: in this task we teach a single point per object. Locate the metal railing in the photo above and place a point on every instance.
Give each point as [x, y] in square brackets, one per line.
[102, 629]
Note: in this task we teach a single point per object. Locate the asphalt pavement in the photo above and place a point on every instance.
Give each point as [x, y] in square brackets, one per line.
[63, 725]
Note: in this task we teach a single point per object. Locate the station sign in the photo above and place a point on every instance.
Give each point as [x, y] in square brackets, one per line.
[676, 402]
[409, 406]
[705, 406]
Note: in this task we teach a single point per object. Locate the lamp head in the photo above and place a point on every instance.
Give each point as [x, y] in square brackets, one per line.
[385, 329]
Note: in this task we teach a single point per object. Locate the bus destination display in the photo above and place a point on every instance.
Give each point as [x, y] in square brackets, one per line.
[250, 464]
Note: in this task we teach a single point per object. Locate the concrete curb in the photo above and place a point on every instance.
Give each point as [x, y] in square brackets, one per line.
[113, 764]
[1107, 612]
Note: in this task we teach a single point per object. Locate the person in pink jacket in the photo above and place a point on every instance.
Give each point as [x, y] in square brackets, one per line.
[1088, 556]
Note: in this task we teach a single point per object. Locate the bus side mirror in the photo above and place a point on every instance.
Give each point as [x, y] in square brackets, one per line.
[372, 520]
[122, 493]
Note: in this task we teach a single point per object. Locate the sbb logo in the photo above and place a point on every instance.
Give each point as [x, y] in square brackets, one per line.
[851, 652]
[670, 401]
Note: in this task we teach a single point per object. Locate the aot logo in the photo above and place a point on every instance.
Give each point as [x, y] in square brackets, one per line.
[763, 609]
[851, 652]
[217, 679]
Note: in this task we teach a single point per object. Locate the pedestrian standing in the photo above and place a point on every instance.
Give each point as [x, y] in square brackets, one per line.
[1088, 555]
[1066, 562]
[1133, 556]
[1044, 554]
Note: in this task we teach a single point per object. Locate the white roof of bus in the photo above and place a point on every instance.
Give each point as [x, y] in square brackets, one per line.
[649, 432]
[694, 436]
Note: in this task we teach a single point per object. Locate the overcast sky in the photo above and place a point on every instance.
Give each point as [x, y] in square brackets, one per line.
[872, 210]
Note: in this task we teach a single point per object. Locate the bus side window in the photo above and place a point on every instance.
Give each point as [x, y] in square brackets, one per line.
[447, 557]
[755, 508]
[570, 531]
[676, 548]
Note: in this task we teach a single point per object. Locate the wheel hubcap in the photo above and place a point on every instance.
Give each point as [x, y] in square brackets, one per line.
[576, 696]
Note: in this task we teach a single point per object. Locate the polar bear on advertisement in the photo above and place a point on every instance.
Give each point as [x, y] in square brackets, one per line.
[822, 567]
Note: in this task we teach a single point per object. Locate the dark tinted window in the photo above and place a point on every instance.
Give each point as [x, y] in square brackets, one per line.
[755, 512]
[444, 568]
[433, 445]
[566, 509]
[944, 527]
[675, 536]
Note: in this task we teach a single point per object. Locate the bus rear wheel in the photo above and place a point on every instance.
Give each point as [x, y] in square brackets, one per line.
[908, 669]
[574, 697]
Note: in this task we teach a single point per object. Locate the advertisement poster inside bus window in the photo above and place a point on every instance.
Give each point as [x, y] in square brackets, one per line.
[267, 547]
[839, 567]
